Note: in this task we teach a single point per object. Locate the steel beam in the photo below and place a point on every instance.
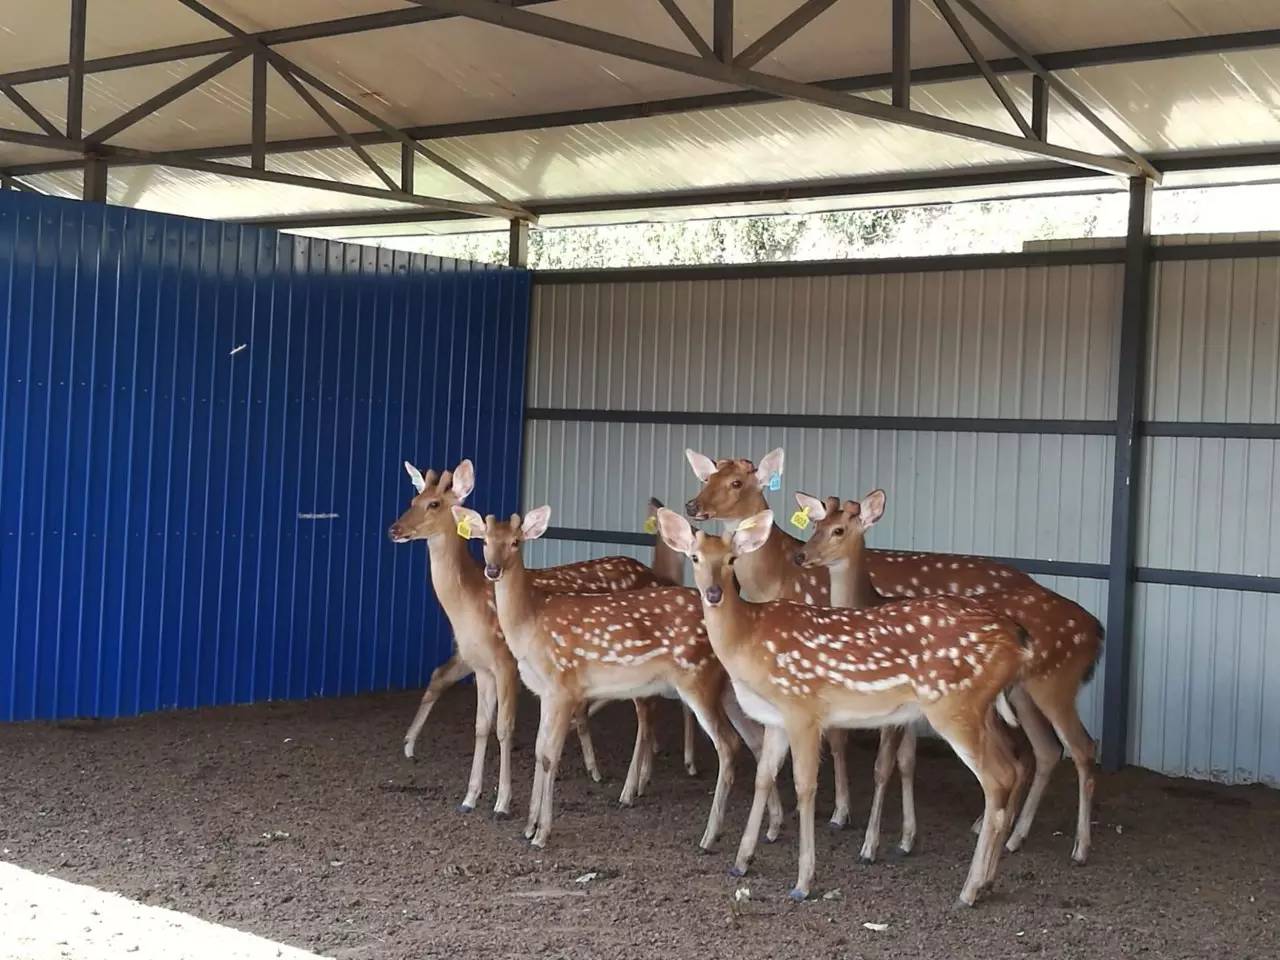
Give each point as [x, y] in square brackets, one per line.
[1135, 322]
[408, 163]
[27, 107]
[1059, 60]
[518, 244]
[258, 108]
[997, 87]
[722, 30]
[165, 97]
[1060, 88]
[332, 122]
[781, 32]
[613, 44]
[75, 70]
[901, 74]
[343, 26]
[686, 27]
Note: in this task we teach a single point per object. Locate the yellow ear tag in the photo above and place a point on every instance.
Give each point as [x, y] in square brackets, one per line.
[800, 519]
[747, 524]
[464, 528]
[651, 525]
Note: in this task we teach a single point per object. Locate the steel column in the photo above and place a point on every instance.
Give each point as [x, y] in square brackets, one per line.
[1039, 108]
[408, 160]
[258, 147]
[95, 180]
[75, 71]
[518, 249]
[1135, 321]
[722, 33]
[902, 54]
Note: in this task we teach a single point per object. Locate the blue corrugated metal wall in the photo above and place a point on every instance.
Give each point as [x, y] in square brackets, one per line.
[155, 474]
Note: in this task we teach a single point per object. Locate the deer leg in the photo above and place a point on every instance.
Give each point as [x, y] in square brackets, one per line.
[806, 739]
[773, 750]
[651, 747]
[561, 717]
[707, 707]
[838, 740]
[486, 704]
[535, 795]
[631, 788]
[907, 773]
[753, 735]
[442, 678]
[1058, 702]
[986, 751]
[584, 739]
[1047, 750]
[690, 763]
[508, 692]
[890, 737]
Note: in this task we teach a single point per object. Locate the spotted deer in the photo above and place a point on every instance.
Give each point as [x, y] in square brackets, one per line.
[800, 669]
[467, 600]
[1063, 637]
[734, 489]
[572, 648]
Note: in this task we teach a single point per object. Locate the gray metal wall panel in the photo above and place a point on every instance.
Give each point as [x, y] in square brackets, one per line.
[1020, 343]
[1206, 687]
[1002, 494]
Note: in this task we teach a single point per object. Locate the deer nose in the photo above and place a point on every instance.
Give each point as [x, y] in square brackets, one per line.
[394, 532]
[691, 508]
[492, 572]
[714, 595]
[799, 558]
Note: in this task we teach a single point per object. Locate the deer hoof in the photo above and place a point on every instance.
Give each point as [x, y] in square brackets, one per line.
[465, 808]
[865, 860]
[737, 871]
[836, 824]
[798, 895]
[502, 814]
[408, 751]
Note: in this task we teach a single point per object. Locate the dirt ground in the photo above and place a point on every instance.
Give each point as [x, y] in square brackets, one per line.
[302, 822]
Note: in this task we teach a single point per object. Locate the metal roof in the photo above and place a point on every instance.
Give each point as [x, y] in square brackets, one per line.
[573, 132]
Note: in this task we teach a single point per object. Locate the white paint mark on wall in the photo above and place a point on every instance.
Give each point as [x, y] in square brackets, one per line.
[317, 516]
[235, 350]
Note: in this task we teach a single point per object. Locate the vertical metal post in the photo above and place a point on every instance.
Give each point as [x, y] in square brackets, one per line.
[408, 157]
[1039, 108]
[722, 31]
[95, 180]
[518, 249]
[75, 71]
[258, 153]
[902, 54]
[1135, 321]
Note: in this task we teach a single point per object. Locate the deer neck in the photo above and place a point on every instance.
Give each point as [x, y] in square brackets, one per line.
[517, 600]
[763, 572]
[456, 576]
[729, 623]
[851, 582]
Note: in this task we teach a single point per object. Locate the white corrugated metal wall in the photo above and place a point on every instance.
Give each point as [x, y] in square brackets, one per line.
[1013, 340]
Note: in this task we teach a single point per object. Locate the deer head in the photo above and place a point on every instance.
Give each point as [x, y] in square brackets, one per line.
[502, 539]
[428, 513]
[731, 489]
[841, 527]
[712, 556]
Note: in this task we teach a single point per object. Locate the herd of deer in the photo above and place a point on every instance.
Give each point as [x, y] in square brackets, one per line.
[782, 643]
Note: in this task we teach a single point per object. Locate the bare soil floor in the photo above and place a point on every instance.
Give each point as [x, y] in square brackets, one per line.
[302, 822]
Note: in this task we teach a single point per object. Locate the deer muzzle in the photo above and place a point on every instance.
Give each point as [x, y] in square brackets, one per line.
[713, 595]
[492, 573]
[693, 510]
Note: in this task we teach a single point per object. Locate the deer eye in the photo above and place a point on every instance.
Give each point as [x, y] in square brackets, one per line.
[838, 532]
[693, 558]
[731, 560]
[433, 505]
[736, 484]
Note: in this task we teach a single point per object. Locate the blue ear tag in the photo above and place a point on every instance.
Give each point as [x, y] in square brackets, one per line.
[775, 481]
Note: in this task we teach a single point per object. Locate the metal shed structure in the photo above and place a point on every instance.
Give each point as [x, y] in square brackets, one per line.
[1108, 416]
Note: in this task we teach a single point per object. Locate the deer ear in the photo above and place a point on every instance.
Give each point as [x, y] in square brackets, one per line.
[675, 530]
[871, 508]
[752, 533]
[464, 480]
[703, 466]
[415, 476]
[470, 524]
[769, 466]
[816, 509]
[535, 523]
